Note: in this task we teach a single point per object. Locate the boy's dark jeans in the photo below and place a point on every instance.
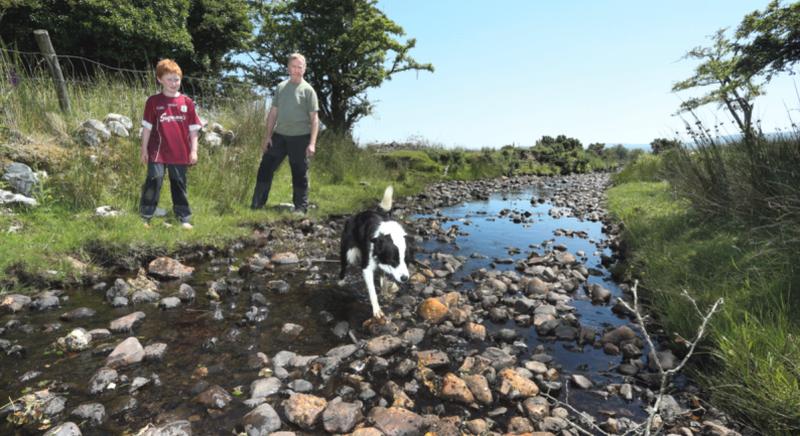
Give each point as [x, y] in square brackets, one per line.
[295, 147]
[151, 190]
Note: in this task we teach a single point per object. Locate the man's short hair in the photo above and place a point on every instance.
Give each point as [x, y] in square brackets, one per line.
[294, 56]
[167, 66]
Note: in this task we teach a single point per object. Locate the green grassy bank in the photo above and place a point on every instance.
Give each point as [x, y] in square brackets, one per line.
[751, 362]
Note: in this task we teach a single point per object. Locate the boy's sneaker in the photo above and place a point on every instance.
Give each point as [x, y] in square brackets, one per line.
[187, 225]
[146, 224]
[299, 212]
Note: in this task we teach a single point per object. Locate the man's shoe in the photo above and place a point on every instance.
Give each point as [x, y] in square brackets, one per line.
[187, 226]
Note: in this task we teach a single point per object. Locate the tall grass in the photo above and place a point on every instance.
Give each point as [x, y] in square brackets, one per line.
[725, 225]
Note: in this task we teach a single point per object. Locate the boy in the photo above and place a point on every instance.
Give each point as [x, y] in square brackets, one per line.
[170, 128]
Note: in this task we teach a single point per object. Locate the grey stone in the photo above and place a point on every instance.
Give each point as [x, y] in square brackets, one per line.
[7, 197]
[101, 379]
[65, 429]
[261, 421]
[21, 178]
[94, 413]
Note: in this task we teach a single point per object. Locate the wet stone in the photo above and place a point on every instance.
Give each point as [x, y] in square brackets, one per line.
[79, 313]
[290, 331]
[479, 387]
[186, 293]
[499, 358]
[383, 345]
[340, 329]
[513, 385]
[168, 268]
[264, 387]
[77, 340]
[261, 421]
[127, 322]
[214, 397]
[396, 421]
[169, 302]
[101, 380]
[286, 258]
[155, 351]
[121, 405]
[301, 386]
[94, 413]
[144, 296]
[304, 410]
[46, 300]
[128, 352]
[341, 417]
[278, 286]
[455, 389]
[29, 375]
[581, 381]
[65, 429]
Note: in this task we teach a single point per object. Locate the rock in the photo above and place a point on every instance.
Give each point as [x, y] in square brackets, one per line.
[79, 313]
[169, 302]
[21, 178]
[581, 381]
[455, 389]
[261, 421]
[286, 258]
[169, 268]
[117, 129]
[301, 386]
[94, 413]
[291, 331]
[433, 310]
[126, 323]
[479, 387]
[264, 387]
[513, 385]
[107, 212]
[211, 139]
[121, 119]
[128, 352]
[499, 359]
[77, 340]
[15, 302]
[93, 133]
[65, 429]
[396, 421]
[214, 397]
[155, 351]
[46, 300]
[102, 379]
[433, 358]
[618, 335]
[186, 293]
[382, 345]
[598, 293]
[304, 410]
[340, 416]
[7, 197]
[99, 334]
[666, 358]
[536, 408]
[475, 331]
[174, 428]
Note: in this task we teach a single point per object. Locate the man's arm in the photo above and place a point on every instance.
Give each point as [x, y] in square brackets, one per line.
[312, 143]
[272, 117]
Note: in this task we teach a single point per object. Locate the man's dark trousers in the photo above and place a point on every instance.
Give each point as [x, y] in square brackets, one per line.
[295, 148]
[151, 190]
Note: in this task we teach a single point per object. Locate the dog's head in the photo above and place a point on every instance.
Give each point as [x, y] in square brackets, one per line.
[391, 251]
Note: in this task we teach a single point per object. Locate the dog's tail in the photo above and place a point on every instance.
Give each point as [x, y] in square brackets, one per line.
[386, 203]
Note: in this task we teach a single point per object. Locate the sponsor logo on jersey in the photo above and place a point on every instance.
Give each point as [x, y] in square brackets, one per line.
[164, 118]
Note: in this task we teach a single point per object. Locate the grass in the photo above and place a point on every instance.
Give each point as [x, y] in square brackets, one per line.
[751, 361]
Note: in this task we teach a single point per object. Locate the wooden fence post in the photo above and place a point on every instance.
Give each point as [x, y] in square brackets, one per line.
[46, 47]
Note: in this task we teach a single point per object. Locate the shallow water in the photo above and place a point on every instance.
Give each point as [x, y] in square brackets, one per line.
[194, 339]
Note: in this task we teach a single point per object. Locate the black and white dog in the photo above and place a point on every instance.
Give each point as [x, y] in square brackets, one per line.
[375, 242]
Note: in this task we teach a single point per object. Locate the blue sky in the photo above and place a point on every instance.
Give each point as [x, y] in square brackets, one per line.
[512, 71]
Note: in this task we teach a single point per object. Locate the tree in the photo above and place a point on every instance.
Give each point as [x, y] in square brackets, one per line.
[731, 89]
[349, 45]
[661, 145]
[596, 148]
[770, 40]
[132, 34]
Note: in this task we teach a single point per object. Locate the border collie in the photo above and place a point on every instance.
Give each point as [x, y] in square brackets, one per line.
[375, 242]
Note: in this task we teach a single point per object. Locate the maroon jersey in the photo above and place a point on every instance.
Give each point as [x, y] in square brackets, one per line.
[170, 119]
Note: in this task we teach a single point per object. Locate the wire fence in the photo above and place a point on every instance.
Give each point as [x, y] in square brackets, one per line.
[80, 71]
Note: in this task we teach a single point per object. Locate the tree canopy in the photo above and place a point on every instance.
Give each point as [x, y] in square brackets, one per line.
[769, 40]
[133, 33]
[350, 46]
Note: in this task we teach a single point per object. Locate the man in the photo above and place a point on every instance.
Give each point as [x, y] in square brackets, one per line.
[292, 126]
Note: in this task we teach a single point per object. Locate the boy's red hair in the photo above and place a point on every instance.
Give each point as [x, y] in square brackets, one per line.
[168, 66]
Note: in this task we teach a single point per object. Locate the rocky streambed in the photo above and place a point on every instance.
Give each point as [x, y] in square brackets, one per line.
[511, 323]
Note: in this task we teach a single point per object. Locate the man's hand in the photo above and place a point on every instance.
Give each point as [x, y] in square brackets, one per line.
[143, 157]
[310, 150]
[193, 157]
[267, 143]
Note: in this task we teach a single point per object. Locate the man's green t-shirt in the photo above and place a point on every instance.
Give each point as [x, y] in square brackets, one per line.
[295, 102]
